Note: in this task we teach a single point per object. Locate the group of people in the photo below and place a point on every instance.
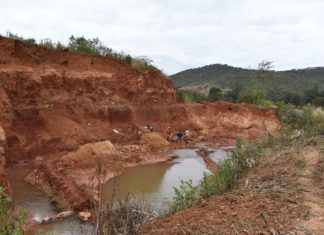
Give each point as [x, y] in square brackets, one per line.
[180, 135]
[149, 128]
[173, 137]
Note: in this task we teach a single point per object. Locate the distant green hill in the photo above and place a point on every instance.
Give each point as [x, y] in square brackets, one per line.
[276, 85]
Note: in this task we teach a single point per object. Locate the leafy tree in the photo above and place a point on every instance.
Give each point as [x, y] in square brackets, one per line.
[265, 65]
[297, 100]
[187, 96]
[60, 46]
[47, 43]
[252, 97]
[263, 68]
[256, 97]
[215, 94]
[129, 60]
[143, 62]
[291, 98]
[319, 101]
[86, 46]
[21, 38]
[311, 94]
[233, 95]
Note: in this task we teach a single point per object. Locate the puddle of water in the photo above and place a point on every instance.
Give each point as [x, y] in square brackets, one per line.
[38, 205]
[156, 182]
[68, 226]
[26, 196]
[218, 155]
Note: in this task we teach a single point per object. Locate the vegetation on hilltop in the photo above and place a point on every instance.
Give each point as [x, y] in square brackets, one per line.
[89, 46]
[214, 82]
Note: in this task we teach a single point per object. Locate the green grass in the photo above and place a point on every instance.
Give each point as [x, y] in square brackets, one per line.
[11, 221]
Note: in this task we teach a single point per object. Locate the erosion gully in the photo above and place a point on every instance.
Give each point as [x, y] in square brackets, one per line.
[155, 183]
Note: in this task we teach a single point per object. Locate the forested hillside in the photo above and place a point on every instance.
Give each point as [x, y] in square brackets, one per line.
[292, 86]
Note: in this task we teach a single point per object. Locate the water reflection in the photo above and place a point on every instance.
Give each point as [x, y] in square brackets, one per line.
[218, 155]
[156, 182]
[38, 205]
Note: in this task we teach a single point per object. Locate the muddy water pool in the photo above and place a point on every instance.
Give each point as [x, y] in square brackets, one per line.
[154, 183]
[37, 205]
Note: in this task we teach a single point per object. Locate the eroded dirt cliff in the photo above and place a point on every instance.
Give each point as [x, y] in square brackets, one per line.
[57, 105]
[3, 144]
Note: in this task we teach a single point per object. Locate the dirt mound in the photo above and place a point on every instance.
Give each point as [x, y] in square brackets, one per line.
[154, 142]
[91, 164]
[80, 169]
[90, 155]
[210, 164]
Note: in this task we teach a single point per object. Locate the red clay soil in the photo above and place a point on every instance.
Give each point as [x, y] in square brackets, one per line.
[54, 102]
[268, 200]
[3, 179]
[210, 164]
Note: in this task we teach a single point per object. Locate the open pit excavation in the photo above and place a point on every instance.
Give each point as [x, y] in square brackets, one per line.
[64, 114]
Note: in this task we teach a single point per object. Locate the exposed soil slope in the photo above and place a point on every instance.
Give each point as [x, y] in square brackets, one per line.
[3, 144]
[54, 102]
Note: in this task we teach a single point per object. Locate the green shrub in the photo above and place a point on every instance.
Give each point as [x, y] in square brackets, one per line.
[11, 222]
[21, 38]
[215, 94]
[143, 63]
[126, 216]
[296, 117]
[58, 203]
[319, 101]
[187, 96]
[185, 196]
[257, 98]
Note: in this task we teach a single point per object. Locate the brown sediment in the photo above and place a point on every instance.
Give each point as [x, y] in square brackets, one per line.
[211, 165]
[3, 145]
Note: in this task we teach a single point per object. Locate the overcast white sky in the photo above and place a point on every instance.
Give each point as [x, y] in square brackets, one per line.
[182, 34]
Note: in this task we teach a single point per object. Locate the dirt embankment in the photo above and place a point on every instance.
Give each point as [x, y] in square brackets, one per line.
[55, 104]
[3, 144]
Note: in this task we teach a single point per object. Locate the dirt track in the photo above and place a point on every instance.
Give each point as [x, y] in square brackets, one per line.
[57, 106]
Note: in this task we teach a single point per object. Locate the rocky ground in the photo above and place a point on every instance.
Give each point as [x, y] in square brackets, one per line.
[282, 195]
